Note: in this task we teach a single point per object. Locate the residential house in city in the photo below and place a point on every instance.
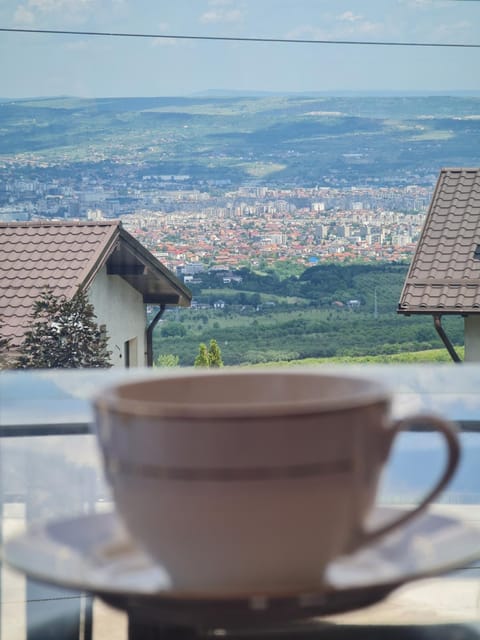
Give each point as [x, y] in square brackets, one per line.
[119, 274]
[444, 276]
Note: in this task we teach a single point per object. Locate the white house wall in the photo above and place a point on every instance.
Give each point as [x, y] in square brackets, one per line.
[120, 307]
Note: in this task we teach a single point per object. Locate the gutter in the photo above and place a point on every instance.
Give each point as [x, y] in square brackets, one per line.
[150, 329]
[437, 321]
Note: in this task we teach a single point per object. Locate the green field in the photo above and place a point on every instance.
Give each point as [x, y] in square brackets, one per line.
[318, 325]
[414, 357]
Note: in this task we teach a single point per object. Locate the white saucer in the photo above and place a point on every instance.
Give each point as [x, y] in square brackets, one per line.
[93, 553]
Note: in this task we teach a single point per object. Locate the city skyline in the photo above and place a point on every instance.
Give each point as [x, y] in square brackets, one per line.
[89, 66]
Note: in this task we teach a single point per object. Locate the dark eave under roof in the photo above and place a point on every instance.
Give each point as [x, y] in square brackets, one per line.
[130, 260]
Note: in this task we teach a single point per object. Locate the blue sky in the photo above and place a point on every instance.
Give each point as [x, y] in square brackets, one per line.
[39, 65]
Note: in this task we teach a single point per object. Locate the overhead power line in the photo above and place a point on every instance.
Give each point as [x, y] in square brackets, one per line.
[112, 34]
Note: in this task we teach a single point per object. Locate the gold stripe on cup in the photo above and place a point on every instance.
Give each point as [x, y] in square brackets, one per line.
[227, 474]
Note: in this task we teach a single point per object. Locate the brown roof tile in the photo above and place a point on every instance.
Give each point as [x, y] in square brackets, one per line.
[36, 255]
[444, 276]
[65, 256]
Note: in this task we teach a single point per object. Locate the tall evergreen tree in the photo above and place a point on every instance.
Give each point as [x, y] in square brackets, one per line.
[209, 357]
[63, 335]
[214, 354]
[202, 359]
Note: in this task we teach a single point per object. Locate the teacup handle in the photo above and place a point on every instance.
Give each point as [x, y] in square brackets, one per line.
[453, 446]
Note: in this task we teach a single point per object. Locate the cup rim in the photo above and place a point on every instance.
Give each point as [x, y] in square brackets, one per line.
[365, 392]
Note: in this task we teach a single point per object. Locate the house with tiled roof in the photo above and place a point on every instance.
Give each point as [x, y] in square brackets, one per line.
[118, 273]
[444, 275]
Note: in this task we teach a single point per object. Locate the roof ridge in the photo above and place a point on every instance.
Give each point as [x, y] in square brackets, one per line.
[62, 223]
[459, 169]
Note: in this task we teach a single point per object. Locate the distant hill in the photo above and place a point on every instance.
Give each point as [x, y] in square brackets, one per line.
[274, 139]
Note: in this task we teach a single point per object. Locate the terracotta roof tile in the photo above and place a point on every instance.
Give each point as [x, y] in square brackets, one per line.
[66, 255]
[444, 275]
[36, 255]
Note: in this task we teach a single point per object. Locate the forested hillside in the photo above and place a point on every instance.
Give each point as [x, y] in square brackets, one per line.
[329, 310]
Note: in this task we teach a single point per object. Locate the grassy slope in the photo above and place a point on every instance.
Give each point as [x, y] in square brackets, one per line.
[432, 355]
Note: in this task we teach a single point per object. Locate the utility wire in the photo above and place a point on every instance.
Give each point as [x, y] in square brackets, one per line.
[112, 34]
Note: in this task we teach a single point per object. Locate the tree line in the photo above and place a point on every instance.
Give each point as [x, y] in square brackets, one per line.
[317, 321]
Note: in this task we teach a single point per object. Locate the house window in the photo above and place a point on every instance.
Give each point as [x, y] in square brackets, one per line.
[476, 253]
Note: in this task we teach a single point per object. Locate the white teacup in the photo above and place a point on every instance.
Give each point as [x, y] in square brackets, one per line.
[241, 481]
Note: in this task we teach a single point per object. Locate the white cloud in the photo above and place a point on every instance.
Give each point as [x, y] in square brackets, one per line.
[221, 16]
[307, 32]
[453, 28]
[416, 3]
[425, 4]
[345, 26]
[34, 11]
[349, 16]
[48, 6]
[23, 16]
[349, 24]
[368, 27]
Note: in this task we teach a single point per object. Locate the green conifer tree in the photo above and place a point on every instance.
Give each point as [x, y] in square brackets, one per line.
[214, 354]
[63, 335]
[202, 359]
